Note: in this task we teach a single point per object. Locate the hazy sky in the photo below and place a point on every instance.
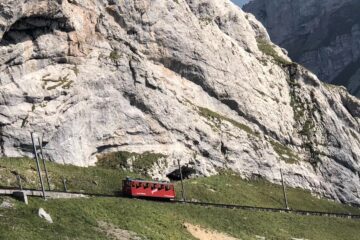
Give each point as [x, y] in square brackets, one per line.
[240, 2]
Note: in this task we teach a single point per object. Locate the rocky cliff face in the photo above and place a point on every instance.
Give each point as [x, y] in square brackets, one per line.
[322, 35]
[194, 80]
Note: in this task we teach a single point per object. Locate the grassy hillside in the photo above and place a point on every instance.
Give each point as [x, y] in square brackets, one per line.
[224, 188]
[231, 189]
[80, 218]
[91, 180]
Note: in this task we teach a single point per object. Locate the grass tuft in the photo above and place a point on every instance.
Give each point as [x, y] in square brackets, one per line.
[211, 115]
[114, 56]
[268, 49]
[285, 153]
[139, 163]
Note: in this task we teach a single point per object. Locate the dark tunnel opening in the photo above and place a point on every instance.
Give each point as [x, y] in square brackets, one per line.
[187, 172]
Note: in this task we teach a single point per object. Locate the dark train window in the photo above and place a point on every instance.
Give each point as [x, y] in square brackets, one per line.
[146, 185]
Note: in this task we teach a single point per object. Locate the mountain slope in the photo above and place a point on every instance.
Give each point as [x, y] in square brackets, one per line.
[88, 218]
[104, 218]
[197, 81]
[324, 36]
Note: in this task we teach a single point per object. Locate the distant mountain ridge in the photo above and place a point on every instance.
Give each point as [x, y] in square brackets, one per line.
[322, 35]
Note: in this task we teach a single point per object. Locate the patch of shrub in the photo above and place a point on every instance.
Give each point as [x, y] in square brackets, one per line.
[114, 55]
[285, 153]
[268, 49]
[140, 163]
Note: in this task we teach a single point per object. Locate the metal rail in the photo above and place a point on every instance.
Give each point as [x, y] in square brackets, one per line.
[279, 210]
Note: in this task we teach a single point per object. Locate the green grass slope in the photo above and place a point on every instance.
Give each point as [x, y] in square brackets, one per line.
[91, 180]
[231, 189]
[79, 218]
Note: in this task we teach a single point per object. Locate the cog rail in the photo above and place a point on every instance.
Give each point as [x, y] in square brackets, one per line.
[277, 210]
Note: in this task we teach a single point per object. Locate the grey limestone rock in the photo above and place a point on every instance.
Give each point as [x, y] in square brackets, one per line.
[43, 214]
[194, 80]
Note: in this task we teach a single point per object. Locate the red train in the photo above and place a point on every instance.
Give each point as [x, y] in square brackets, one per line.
[148, 189]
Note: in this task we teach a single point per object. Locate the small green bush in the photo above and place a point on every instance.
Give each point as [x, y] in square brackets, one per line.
[285, 153]
[307, 127]
[141, 163]
[269, 50]
[207, 113]
[114, 55]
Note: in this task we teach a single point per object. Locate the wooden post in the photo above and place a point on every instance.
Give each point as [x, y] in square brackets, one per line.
[38, 166]
[182, 183]
[44, 163]
[284, 190]
[64, 182]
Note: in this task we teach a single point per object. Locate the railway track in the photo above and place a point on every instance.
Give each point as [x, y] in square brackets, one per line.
[278, 210]
[62, 194]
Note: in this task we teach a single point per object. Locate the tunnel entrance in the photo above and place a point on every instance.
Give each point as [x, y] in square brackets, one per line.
[187, 172]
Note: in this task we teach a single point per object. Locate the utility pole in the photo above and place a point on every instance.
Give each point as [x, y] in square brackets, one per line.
[182, 183]
[284, 190]
[38, 166]
[44, 163]
[18, 177]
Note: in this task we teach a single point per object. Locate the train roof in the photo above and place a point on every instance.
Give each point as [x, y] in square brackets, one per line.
[147, 181]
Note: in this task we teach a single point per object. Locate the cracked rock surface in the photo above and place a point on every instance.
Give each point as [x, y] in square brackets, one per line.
[194, 80]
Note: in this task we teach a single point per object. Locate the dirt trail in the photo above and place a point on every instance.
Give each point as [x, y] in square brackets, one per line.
[206, 234]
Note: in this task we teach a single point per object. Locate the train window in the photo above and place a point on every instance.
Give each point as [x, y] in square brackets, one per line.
[146, 185]
[138, 185]
[153, 186]
[161, 186]
[133, 184]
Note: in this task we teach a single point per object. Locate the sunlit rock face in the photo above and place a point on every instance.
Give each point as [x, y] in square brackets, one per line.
[322, 35]
[196, 81]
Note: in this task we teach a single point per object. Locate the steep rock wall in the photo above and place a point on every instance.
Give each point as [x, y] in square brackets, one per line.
[195, 80]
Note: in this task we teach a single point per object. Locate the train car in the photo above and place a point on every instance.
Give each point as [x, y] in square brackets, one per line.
[148, 189]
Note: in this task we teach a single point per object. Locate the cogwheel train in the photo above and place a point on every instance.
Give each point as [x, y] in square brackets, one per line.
[148, 189]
